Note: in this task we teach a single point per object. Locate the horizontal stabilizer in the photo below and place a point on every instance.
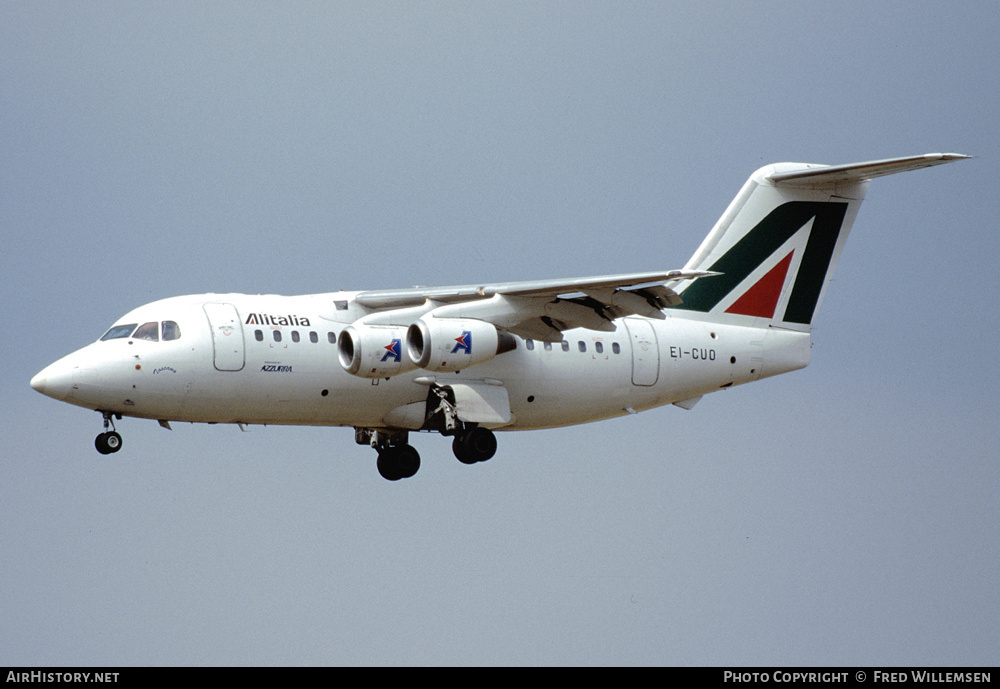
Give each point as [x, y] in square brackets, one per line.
[853, 173]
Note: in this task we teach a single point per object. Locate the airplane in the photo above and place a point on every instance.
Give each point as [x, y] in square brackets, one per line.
[466, 361]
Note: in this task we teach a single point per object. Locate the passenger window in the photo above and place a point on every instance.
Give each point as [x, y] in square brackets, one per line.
[313, 337]
[616, 348]
[295, 336]
[258, 335]
[119, 331]
[148, 331]
[582, 345]
[599, 346]
[331, 338]
[565, 346]
[277, 335]
[529, 344]
[547, 346]
[171, 331]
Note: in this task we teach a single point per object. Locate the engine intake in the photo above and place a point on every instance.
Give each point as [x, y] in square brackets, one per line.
[452, 344]
[373, 351]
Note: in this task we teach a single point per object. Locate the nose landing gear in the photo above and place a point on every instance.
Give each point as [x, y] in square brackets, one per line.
[109, 441]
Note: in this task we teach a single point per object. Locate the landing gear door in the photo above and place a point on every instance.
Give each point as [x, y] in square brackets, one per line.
[645, 352]
[486, 405]
[227, 336]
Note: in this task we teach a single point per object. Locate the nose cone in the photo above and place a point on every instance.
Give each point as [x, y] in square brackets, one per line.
[38, 383]
[54, 381]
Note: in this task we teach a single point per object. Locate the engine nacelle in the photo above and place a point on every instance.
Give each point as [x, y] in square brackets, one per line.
[452, 344]
[373, 351]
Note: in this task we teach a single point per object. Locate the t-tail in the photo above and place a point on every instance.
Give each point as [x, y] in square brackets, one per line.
[776, 246]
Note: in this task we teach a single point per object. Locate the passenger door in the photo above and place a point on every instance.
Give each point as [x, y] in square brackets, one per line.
[645, 352]
[227, 336]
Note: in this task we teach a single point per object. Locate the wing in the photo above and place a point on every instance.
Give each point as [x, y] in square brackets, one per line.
[542, 309]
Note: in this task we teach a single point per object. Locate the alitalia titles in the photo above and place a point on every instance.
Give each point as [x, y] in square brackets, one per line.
[271, 319]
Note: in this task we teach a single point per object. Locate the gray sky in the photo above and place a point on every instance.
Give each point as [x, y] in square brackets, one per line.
[845, 514]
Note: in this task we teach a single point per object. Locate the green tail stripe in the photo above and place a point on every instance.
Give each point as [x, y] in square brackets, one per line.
[761, 242]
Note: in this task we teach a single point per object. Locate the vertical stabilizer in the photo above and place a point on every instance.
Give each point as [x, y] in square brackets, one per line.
[777, 244]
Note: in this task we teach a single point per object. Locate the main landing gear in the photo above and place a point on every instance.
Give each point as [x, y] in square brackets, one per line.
[109, 441]
[474, 445]
[398, 459]
[471, 444]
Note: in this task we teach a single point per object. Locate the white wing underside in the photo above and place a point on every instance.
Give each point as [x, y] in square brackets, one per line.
[540, 309]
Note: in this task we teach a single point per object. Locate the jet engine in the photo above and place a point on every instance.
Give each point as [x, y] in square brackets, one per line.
[373, 351]
[452, 344]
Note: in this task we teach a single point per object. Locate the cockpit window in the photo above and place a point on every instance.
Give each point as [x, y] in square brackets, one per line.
[171, 331]
[148, 331]
[119, 331]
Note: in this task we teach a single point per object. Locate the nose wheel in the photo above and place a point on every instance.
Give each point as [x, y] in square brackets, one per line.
[109, 441]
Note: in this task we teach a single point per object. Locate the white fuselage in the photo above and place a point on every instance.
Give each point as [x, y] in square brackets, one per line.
[276, 362]
[466, 360]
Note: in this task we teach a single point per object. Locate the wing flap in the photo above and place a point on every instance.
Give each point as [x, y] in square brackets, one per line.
[541, 329]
